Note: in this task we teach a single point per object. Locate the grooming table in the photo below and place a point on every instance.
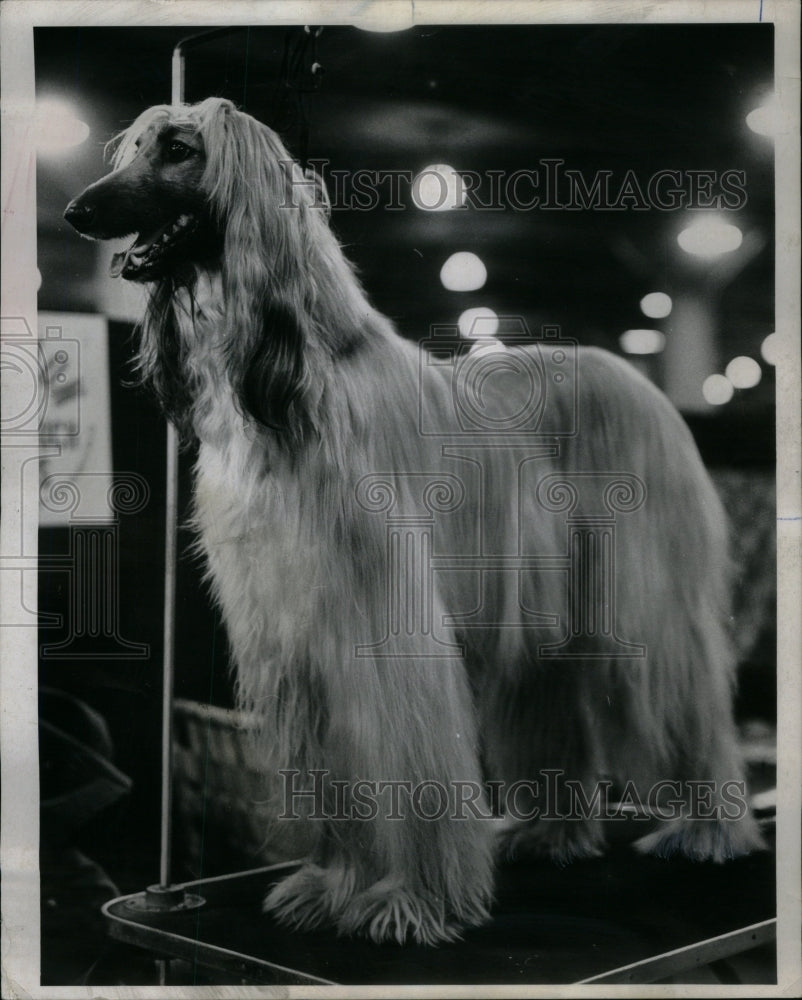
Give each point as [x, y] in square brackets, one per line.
[621, 918]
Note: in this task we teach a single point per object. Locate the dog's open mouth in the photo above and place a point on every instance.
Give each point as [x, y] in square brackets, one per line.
[149, 255]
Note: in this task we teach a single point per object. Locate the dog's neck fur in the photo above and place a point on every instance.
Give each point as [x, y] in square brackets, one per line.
[339, 323]
[199, 313]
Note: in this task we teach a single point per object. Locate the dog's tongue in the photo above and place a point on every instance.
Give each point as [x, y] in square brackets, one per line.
[133, 255]
[118, 262]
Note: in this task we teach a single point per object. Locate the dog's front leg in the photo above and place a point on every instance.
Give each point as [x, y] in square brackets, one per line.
[405, 834]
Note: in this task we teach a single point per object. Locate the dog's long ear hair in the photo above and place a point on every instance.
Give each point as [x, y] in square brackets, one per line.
[291, 298]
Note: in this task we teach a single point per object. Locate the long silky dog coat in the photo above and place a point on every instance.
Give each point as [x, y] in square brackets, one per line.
[396, 541]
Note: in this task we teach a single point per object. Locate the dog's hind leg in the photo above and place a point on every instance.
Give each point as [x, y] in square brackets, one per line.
[656, 719]
[703, 811]
[545, 729]
[656, 729]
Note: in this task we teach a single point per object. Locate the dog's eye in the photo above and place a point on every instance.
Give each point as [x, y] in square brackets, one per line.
[177, 151]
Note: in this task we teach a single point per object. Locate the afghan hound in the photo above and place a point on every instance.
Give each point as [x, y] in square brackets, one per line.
[473, 596]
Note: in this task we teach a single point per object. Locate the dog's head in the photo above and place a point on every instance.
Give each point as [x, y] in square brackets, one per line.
[157, 191]
[208, 185]
[192, 180]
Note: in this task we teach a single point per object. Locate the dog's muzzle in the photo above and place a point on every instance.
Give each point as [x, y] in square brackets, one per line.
[153, 253]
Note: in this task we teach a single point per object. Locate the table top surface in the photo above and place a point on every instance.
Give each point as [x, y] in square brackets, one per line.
[550, 924]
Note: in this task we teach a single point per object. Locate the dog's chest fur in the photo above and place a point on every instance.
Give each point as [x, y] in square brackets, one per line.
[247, 506]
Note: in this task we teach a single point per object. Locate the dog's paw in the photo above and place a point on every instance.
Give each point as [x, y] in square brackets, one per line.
[703, 839]
[558, 840]
[388, 911]
[310, 897]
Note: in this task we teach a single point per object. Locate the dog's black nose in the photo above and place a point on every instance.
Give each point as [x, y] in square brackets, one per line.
[78, 215]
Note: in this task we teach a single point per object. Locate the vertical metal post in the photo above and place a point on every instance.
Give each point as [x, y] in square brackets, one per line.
[168, 673]
[170, 570]
[170, 551]
[179, 61]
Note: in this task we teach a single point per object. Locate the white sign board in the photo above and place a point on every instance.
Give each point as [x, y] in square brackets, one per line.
[75, 419]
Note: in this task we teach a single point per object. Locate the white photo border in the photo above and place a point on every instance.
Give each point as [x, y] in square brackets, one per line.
[18, 688]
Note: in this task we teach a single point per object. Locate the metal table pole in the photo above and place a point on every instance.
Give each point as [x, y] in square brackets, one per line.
[170, 572]
[164, 891]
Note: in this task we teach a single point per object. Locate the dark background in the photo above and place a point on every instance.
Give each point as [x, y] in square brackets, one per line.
[644, 98]
[479, 97]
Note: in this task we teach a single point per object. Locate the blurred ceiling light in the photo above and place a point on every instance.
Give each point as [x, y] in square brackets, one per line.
[642, 341]
[717, 390]
[438, 188]
[463, 272]
[743, 372]
[770, 349]
[765, 120]
[58, 127]
[478, 322]
[710, 237]
[656, 305]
